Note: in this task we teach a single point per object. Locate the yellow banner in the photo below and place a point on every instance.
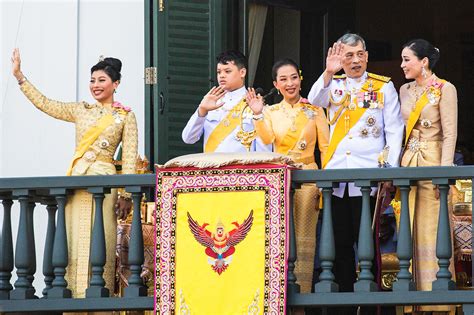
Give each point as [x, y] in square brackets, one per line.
[292, 136]
[351, 117]
[89, 138]
[224, 128]
[220, 241]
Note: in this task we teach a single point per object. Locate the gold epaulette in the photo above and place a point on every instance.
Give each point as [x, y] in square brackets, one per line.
[379, 77]
[339, 76]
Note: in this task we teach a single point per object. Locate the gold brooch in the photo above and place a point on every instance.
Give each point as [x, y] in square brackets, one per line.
[426, 123]
[302, 144]
[103, 144]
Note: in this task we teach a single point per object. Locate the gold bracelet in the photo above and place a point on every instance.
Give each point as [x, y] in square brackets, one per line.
[22, 80]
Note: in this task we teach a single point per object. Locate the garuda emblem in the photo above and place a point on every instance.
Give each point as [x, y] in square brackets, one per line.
[220, 246]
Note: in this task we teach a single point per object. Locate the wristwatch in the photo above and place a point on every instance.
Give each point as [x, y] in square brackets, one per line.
[258, 117]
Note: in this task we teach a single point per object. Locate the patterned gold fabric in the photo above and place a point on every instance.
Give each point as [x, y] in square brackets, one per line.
[85, 115]
[431, 145]
[279, 119]
[306, 213]
[97, 161]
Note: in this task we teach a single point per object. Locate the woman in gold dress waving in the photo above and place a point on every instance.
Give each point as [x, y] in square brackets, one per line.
[100, 128]
[295, 127]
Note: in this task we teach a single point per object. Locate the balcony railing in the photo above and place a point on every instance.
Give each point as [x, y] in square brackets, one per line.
[365, 290]
[53, 192]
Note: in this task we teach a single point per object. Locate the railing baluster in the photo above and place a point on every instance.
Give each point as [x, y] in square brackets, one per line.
[23, 250]
[404, 245]
[48, 271]
[443, 240]
[327, 252]
[365, 248]
[31, 240]
[292, 286]
[60, 254]
[6, 251]
[136, 257]
[98, 247]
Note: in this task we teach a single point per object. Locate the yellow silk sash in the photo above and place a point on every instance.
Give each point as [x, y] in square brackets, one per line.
[89, 138]
[415, 115]
[351, 117]
[291, 137]
[224, 128]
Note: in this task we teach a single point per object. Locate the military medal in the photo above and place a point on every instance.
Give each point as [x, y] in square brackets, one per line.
[371, 86]
[376, 131]
[226, 122]
[371, 121]
[117, 117]
[364, 132]
[308, 112]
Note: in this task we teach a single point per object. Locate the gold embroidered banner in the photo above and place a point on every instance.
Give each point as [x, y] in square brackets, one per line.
[221, 240]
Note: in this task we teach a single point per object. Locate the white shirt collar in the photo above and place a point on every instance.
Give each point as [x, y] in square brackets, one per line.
[359, 80]
[231, 98]
[239, 93]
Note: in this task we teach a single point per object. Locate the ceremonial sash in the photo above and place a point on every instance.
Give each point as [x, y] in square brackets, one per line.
[89, 138]
[353, 116]
[415, 115]
[291, 137]
[224, 128]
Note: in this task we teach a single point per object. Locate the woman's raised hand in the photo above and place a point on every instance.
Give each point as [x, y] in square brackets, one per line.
[254, 101]
[16, 64]
[334, 58]
[210, 100]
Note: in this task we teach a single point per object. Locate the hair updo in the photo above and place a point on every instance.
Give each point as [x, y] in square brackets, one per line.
[283, 62]
[423, 48]
[111, 66]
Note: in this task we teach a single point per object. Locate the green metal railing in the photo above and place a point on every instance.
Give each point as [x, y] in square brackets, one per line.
[54, 191]
[365, 290]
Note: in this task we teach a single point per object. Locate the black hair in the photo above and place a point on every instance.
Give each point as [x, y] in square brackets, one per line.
[283, 62]
[111, 66]
[423, 48]
[232, 56]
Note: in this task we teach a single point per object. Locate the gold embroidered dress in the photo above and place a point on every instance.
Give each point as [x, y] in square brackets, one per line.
[431, 142]
[97, 160]
[295, 131]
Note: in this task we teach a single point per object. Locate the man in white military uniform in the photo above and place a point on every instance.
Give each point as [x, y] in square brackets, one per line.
[220, 116]
[364, 117]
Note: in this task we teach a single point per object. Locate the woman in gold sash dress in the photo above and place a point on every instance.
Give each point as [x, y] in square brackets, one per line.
[429, 108]
[100, 128]
[295, 127]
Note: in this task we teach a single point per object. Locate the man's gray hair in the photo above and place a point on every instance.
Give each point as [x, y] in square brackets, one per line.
[352, 40]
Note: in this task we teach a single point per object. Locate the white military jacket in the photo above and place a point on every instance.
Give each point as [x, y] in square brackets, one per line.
[375, 129]
[197, 126]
